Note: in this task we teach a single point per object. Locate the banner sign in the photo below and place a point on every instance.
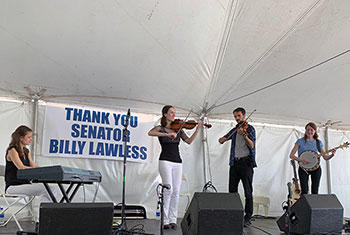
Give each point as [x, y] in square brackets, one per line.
[85, 132]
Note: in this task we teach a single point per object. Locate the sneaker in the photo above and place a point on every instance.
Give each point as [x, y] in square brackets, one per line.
[173, 226]
[247, 223]
[166, 226]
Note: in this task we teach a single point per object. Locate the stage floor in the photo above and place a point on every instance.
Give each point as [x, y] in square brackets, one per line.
[259, 226]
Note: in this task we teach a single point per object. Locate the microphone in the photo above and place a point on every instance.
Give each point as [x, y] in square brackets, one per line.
[127, 118]
[289, 190]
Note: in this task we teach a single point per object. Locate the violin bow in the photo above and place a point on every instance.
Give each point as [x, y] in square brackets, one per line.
[240, 125]
[184, 122]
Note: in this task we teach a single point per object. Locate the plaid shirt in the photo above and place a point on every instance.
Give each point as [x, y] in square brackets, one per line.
[251, 136]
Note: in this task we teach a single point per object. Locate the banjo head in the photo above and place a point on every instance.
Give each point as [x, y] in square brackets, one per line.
[312, 157]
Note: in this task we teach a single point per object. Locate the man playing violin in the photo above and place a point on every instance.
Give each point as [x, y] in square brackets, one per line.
[242, 160]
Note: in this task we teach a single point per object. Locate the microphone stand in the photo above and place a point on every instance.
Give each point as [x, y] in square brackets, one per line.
[125, 135]
[289, 199]
[161, 210]
[161, 202]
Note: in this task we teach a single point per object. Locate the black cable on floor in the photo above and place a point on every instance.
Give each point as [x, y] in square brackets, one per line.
[262, 230]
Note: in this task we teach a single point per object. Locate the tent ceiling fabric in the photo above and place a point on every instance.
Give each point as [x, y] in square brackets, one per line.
[143, 54]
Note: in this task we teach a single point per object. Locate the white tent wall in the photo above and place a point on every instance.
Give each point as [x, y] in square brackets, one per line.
[274, 171]
[12, 115]
[270, 178]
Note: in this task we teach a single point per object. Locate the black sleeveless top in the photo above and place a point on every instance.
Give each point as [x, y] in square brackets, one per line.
[170, 147]
[11, 172]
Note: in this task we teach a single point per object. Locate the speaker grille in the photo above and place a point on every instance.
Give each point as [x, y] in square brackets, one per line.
[213, 213]
[315, 214]
[76, 218]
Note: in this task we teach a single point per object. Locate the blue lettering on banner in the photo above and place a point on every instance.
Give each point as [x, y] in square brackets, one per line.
[68, 113]
[143, 151]
[133, 120]
[87, 116]
[88, 131]
[127, 151]
[66, 147]
[117, 150]
[116, 119]
[100, 149]
[53, 147]
[97, 149]
[135, 153]
[75, 131]
[99, 132]
[111, 149]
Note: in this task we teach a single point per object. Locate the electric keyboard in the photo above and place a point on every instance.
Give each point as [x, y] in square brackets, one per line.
[59, 174]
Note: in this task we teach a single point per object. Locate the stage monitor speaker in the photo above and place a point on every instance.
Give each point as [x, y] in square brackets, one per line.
[213, 213]
[282, 223]
[314, 214]
[76, 218]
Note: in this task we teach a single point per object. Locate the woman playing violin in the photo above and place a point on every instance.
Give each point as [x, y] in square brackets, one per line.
[170, 163]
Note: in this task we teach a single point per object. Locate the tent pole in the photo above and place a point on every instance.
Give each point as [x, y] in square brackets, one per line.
[328, 165]
[204, 141]
[35, 97]
[35, 126]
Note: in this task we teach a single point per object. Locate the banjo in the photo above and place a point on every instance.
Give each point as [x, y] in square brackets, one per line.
[314, 157]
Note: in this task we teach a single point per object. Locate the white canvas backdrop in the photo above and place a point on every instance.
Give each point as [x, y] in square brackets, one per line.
[270, 178]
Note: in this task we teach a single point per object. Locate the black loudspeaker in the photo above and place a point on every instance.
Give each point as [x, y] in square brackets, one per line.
[314, 214]
[213, 213]
[76, 218]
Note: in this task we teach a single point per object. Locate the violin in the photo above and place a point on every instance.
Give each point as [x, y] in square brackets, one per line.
[243, 125]
[178, 124]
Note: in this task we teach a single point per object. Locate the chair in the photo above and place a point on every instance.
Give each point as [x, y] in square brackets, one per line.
[186, 191]
[12, 201]
[261, 201]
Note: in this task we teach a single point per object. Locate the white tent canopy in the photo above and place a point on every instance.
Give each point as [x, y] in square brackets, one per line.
[289, 61]
[193, 54]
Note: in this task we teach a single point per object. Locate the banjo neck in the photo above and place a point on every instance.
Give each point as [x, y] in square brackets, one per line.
[345, 145]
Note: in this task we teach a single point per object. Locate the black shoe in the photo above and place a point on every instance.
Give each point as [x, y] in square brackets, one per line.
[173, 226]
[247, 223]
[166, 226]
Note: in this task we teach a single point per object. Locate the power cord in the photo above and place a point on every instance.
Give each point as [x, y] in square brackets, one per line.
[209, 185]
[137, 229]
[262, 230]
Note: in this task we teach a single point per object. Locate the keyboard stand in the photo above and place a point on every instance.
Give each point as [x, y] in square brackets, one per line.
[64, 192]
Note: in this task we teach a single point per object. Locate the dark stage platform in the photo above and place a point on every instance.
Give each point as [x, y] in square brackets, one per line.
[259, 226]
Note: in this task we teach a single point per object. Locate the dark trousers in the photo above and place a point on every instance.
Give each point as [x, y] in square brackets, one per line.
[243, 170]
[304, 180]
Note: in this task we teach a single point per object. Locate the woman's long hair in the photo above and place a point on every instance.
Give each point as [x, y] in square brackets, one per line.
[164, 111]
[21, 131]
[313, 126]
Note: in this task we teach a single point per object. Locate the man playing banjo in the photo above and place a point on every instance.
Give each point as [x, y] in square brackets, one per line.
[307, 148]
